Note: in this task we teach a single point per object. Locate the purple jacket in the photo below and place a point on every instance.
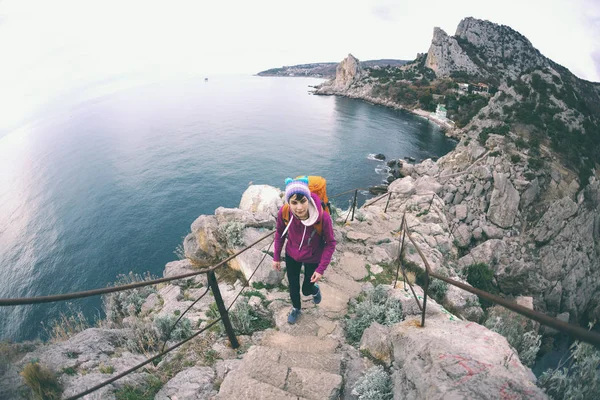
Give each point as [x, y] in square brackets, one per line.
[315, 248]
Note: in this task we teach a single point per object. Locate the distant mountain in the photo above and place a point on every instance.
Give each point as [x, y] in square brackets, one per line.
[325, 70]
[522, 187]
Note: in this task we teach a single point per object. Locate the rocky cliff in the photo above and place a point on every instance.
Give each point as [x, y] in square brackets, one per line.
[506, 196]
[312, 359]
[520, 191]
[483, 48]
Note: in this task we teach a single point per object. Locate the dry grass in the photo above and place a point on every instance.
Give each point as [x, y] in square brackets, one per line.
[66, 325]
[42, 381]
[410, 276]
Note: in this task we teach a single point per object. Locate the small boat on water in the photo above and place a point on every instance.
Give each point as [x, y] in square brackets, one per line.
[205, 79]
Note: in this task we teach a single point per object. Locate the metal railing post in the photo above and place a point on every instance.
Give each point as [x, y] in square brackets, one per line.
[354, 204]
[214, 286]
[387, 203]
[425, 298]
[399, 260]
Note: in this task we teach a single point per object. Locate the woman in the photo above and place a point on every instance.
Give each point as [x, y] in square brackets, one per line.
[310, 241]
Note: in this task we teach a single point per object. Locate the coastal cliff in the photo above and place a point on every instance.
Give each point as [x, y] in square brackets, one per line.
[521, 189]
[278, 358]
[513, 196]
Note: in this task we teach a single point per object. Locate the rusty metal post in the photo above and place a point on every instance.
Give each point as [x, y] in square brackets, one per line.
[387, 203]
[425, 297]
[399, 260]
[214, 286]
[354, 204]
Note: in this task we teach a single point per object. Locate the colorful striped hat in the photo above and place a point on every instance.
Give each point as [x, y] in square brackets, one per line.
[296, 186]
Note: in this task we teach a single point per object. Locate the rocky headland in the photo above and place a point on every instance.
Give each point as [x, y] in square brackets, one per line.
[511, 196]
[324, 70]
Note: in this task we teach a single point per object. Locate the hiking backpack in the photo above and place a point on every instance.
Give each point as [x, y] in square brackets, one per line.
[317, 185]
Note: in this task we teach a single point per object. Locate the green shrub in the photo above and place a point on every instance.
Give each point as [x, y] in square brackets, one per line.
[520, 143]
[145, 391]
[181, 331]
[515, 158]
[375, 306]
[438, 289]
[246, 320]
[143, 339]
[481, 277]
[483, 137]
[535, 163]
[231, 233]
[517, 330]
[375, 384]
[126, 303]
[580, 379]
[106, 369]
[42, 381]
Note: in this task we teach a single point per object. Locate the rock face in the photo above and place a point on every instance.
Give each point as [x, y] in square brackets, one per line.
[262, 198]
[444, 360]
[445, 56]
[347, 72]
[504, 203]
[482, 48]
[191, 384]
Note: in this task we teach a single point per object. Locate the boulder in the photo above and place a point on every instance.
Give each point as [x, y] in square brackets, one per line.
[554, 220]
[488, 253]
[377, 342]
[249, 260]
[190, 384]
[461, 211]
[504, 203]
[257, 219]
[427, 185]
[463, 360]
[463, 235]
[463, 303]
[530, 194]
[202, 246]
[403, 187]
[262, 198]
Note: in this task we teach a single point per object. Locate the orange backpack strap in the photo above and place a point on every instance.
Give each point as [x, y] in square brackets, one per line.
[285, 214]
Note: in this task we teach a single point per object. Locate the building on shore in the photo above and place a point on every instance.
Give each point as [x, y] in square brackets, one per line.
[440, 112]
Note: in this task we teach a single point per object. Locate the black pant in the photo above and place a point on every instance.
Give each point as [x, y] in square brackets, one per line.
[293, 269]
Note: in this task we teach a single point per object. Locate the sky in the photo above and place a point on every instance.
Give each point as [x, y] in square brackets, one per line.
[52, 48]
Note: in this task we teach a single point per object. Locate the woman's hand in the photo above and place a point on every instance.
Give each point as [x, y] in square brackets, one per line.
[277, 265]
[315, 277]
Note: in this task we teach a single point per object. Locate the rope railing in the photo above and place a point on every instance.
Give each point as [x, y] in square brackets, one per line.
[140, 365]
[576, 331]
[212, 285]
[95, 292]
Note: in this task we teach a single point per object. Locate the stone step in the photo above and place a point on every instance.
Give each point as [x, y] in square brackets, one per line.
[331, 363]
[262, 363]
[239, 386]
[273, 363]
[284, 373]
[312, 384]
[302, 344]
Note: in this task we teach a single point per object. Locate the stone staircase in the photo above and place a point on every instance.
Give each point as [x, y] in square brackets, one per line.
[300, 361]
[285, 366]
